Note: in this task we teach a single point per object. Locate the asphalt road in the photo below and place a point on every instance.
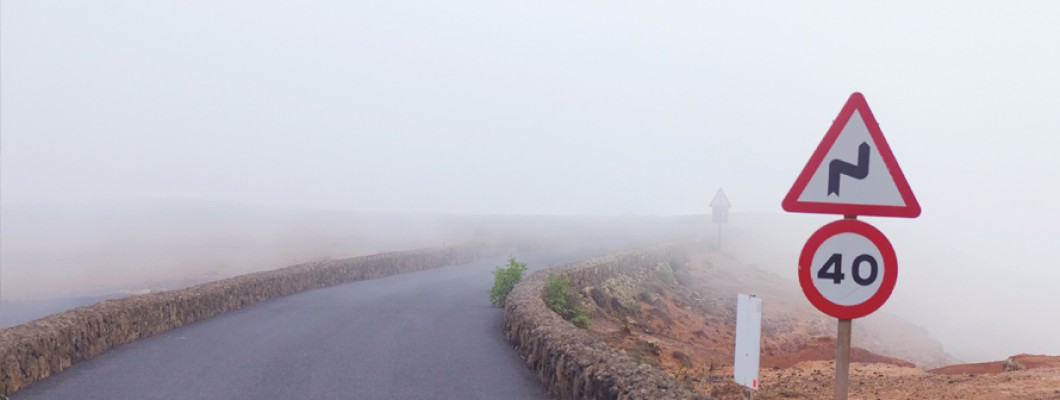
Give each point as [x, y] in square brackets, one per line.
[424, 335]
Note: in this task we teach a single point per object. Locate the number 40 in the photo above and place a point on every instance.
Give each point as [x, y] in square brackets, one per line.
[835, 263]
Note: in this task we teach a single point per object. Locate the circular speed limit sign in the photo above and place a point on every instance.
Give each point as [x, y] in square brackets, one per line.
[848, 269]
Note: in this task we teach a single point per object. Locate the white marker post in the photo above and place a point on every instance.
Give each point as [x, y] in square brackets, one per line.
[748, 342]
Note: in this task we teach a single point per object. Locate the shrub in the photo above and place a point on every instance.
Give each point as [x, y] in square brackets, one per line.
[581, 319]
[556, 293]
[556, 298]
[664, 274]
[504, 279]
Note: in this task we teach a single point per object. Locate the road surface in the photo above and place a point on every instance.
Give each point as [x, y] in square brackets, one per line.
[424, 335]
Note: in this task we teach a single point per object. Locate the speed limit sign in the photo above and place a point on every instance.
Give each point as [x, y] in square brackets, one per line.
[848, 269]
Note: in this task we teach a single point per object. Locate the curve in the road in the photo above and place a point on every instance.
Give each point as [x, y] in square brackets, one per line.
[423, 335]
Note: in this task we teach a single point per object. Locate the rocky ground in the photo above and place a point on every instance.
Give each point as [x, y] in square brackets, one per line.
[681, 318]
[814, 380]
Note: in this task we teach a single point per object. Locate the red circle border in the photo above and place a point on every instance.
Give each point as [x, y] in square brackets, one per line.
[890, 268]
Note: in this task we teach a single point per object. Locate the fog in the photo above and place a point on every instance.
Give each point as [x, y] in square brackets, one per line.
[266, 109]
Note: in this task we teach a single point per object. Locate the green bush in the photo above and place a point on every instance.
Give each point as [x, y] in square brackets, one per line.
[581, 319]
[504, 279]
[556, 293]
[556, 298]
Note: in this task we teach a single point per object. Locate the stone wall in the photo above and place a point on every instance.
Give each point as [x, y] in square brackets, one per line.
[571, 362]
[35, 350]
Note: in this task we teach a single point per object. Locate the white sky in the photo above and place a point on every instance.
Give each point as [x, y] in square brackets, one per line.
[543, 107]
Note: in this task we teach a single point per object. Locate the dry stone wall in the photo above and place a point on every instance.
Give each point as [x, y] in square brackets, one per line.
[570, 361]
[35, 350]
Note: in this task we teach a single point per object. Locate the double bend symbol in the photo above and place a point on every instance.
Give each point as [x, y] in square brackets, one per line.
[857, 171]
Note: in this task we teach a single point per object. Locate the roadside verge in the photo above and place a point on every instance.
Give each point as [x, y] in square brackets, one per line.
[570, 361]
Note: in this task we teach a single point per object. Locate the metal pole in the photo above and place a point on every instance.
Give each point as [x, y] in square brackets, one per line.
[842, 359]
[719, 237]
[842, 352]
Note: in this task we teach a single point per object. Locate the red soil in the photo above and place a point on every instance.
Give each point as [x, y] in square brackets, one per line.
[1022, 361]
[823, 349]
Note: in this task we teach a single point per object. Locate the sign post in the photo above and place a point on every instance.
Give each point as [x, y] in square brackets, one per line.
[848, 268]
[842, 359]
[719, 213]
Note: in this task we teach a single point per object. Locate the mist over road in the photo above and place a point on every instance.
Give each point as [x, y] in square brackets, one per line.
[429, 334]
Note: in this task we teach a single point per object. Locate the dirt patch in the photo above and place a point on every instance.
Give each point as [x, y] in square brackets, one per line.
[824, 349]
[992, 367]
[680, 318]
[814, 380]
[1014, 363]
[1037, 361]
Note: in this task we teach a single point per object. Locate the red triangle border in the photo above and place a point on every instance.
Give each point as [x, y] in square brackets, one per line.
[856, 102]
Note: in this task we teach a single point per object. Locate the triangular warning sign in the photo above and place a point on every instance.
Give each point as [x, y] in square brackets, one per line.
[720, 200]
[853, 171]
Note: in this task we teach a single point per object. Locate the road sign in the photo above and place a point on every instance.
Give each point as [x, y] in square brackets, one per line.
[748, 340]
[853, 171]
[720, 207]
[848, 269]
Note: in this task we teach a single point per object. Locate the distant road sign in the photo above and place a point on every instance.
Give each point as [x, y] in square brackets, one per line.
[848, 269]
[748, 340]
[719, 207]
[853, 171]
